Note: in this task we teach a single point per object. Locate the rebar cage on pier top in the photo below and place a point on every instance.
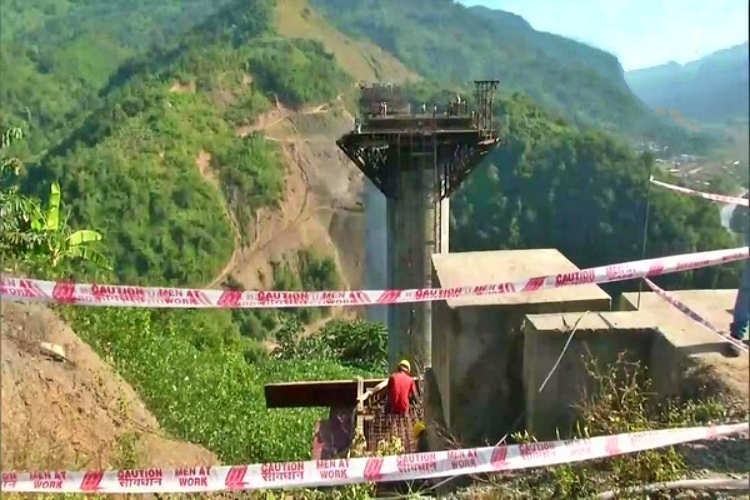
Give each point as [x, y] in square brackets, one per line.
[391, 136]
[388, 101]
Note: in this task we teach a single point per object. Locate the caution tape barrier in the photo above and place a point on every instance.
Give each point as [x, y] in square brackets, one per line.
[30, 290]
[732, 200]
[356, 470]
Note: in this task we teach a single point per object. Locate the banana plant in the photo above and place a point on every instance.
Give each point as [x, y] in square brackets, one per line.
[16, 209]
[63, 244]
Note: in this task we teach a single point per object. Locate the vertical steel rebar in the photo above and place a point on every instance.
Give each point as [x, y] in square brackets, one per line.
[644, 242]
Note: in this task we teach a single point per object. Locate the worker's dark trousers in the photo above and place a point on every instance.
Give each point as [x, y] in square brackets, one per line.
[742, 304]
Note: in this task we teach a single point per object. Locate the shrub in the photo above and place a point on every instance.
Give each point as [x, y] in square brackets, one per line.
[358, 344]
[314, 273]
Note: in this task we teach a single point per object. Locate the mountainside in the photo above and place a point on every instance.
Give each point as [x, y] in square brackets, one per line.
[452, 43]
[57, 54]
[564, 50]
[712, 89]
[191, 110]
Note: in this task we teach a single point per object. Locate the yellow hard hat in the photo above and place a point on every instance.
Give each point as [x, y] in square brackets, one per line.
[419, 428]
[405, 364]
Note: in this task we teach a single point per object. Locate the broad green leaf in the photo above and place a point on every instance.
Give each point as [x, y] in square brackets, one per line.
[83, 236]
[38, 220]
[53, 213]
[90, 255]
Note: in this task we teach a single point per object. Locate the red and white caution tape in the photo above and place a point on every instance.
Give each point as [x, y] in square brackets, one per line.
[682, 307]
[339, 472]
[732, 200]
[28, 290]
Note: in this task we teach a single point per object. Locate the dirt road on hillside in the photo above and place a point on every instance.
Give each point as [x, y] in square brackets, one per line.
[203, 161]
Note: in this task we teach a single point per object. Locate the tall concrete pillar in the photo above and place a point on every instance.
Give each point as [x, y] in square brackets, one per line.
[376, 248]
[412, 241]
[408, 157]
[394, 227]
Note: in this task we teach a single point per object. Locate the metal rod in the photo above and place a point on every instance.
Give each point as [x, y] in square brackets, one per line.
[645, 229]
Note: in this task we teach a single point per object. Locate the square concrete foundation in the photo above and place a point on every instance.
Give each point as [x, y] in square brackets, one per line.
[687, 345]
[676, 352]
[478, 343]
[598, 336]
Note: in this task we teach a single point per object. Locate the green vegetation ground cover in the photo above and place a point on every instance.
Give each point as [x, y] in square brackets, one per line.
[195, 377]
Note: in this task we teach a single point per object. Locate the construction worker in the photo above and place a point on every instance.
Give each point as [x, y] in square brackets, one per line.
[420, 435]
[741, 314]
[401, 389]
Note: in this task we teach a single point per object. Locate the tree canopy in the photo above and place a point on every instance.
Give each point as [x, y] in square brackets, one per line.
[585, 194]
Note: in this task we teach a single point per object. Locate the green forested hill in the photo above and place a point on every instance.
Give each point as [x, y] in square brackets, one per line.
[57, 54]
[583, 193]
[564, 50]
[129, 167]
[713, 89]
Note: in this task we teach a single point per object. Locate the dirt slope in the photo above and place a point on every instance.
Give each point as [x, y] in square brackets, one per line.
[73, 414]
[203, 161]
[321, 207]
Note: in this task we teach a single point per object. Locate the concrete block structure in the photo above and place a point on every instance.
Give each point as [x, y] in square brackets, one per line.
[684, 343]
[675, 352]
[599, 337]
[478, 344]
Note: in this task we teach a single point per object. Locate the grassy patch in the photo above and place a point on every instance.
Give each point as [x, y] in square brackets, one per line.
[194, 373]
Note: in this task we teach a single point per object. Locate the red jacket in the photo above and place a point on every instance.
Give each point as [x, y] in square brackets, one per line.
[401, 388]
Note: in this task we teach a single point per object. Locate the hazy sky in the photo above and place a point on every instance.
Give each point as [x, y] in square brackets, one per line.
[641, 33]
